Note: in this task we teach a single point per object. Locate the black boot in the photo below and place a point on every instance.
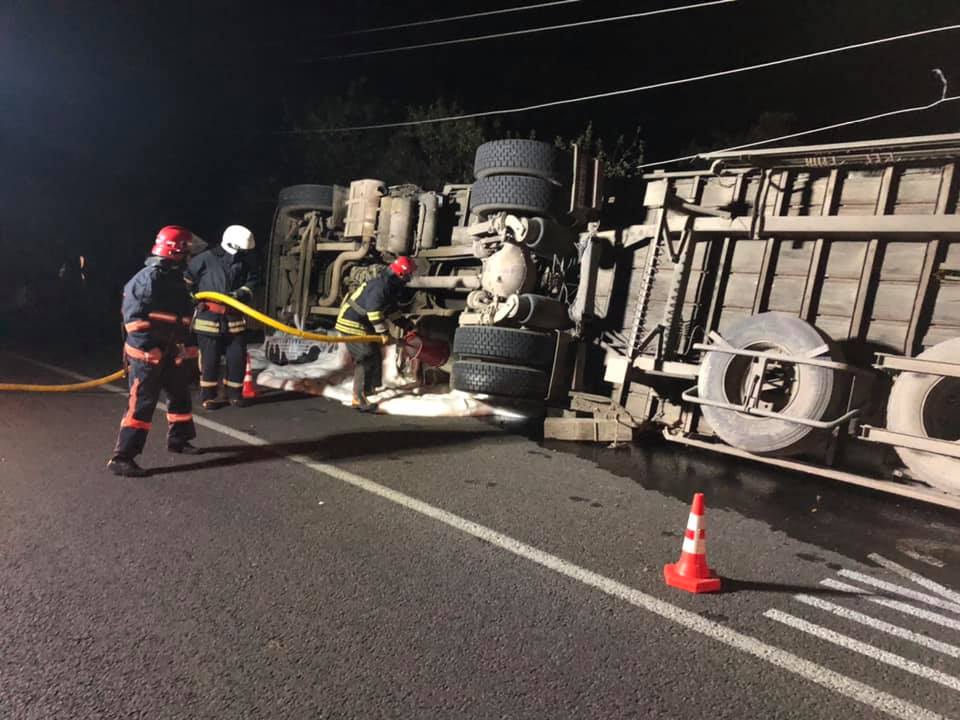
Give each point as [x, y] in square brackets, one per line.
[185, 449]
[125, 467]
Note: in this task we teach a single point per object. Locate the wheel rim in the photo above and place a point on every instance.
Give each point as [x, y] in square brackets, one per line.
[941, 410]
[777, 392]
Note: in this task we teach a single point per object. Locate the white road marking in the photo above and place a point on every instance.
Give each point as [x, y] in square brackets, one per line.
[900, 590]
[876, 624]
[928, 559]
[863, 648]
[916, 577]
[894, 604]
[824, 677]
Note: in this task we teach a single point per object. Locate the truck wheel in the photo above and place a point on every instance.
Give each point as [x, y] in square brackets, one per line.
[520, 157]
[514, 381]
[506, 345]
[804, 391]
[929, 406]
[519, 193]
[313, 197]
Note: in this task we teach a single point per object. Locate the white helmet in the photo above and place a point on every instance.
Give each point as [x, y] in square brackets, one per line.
[237, 237]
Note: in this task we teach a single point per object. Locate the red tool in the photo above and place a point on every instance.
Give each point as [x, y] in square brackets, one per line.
[691, 572]
[432, 353]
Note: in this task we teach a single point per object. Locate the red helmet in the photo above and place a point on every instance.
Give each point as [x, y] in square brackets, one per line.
[173, 242]
[403, 267]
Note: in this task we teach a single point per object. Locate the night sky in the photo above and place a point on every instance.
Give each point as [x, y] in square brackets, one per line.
[117, 118]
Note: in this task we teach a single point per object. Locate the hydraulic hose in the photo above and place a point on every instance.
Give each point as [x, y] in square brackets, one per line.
[276, 325]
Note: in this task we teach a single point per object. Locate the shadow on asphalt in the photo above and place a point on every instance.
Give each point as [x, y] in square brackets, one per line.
[732, 585]
[327, 448]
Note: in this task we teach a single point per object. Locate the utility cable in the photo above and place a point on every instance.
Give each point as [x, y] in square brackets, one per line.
[625, 91]
[514, 33]
[944, 98]
[452, 18]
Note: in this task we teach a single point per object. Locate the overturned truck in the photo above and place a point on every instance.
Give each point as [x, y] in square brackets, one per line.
[798, 307]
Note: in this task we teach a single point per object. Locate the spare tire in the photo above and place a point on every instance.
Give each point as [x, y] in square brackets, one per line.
[797, 390]
[507, 345]
[518, 193]
[315, 197]
[929, 406]
[514, 381]
[520, 157]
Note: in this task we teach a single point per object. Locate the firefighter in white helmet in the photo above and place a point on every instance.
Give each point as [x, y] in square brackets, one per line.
[231, 269]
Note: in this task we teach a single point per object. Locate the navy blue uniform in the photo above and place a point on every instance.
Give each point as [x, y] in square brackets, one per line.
[220, 329]
[156, 315]
[365, 312]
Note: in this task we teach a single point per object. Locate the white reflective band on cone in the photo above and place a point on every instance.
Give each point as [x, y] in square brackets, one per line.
[696, 522]
[696, 547]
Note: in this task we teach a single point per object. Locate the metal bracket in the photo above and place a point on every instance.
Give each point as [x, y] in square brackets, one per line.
[898, 363]
[914, 442]
[692, 397]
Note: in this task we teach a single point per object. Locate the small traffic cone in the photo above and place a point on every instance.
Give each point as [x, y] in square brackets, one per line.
[249, 389]
[691, 572]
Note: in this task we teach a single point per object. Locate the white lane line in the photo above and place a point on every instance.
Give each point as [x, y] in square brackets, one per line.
[916, 577]
[863, 648]
[876, 624]
[824, 677]
[899, 590]
[928, 559]
[903, 607]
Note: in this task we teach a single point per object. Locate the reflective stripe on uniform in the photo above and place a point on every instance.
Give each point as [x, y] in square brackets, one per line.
[179, 417]
[206, 326]
[137, 326]
[236, 326]
[209, 383]
[153, 357]
[129, 421]
[230, 383]
[347, 330]
[162, 317]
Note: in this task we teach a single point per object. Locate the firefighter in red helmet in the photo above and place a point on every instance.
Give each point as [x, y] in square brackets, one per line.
[159, 347]
[365, 312]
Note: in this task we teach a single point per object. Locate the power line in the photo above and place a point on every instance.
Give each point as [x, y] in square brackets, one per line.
[513, 33]
[452, 18]
[944, 98]
[626, 91]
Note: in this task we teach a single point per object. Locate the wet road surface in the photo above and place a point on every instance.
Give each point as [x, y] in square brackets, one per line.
[322, 563]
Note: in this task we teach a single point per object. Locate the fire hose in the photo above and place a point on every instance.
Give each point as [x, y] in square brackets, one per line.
[214, 297]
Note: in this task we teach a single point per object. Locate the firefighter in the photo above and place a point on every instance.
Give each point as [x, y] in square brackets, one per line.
[230, 269]
[365, 312]
[159, 345]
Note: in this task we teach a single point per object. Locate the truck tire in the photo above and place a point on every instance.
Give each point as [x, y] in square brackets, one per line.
[505, 345]
[929, 406]
[520, 157]
[805, 391]
[514, 381]
[314, 197]
[518, 193]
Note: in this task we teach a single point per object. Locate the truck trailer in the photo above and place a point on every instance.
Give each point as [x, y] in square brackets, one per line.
[795, 306]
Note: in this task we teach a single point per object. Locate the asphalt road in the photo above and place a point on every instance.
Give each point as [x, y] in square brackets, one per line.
[318, 563]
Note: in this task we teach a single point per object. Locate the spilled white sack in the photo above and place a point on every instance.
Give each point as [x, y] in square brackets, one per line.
[331, 376]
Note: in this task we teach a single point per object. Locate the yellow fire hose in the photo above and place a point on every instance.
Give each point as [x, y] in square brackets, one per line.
[214, 297]
[260, 317]
[73, 387]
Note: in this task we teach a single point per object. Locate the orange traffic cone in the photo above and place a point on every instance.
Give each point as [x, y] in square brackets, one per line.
[691, 572]
[249, 389]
